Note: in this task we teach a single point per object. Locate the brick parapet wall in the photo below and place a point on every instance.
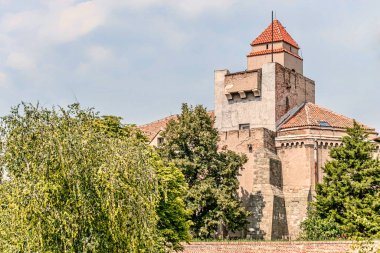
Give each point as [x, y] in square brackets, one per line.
[269, 247]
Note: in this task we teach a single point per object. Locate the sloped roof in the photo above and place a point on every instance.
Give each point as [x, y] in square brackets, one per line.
[276, 50]
[279, 34]
[314, 115]
[153, 128]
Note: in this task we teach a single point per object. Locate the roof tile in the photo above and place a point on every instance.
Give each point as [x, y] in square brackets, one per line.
[279, 34]
[312, 115]
[276, 50]
[153, 128]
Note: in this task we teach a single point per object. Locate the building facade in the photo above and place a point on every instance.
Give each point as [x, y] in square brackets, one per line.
[268, 112]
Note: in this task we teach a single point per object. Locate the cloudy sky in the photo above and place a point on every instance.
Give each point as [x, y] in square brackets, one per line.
[140, 59]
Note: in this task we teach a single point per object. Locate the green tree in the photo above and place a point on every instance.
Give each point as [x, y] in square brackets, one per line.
[173, 217]
[348, 200]
[72, 188]
[191, 144]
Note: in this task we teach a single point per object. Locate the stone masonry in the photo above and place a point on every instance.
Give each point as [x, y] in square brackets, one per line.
[268, 113]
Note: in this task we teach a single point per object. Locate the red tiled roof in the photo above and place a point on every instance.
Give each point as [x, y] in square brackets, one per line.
[279, 34]
[277, 50]
[311, 115]
[153, 128]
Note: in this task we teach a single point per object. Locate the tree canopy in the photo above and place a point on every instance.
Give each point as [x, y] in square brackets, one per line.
[173, 217]
[348, 200]
[82, 183]
[190, 142]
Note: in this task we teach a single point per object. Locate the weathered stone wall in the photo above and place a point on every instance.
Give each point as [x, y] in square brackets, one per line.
[260, 182]
[246, 81]
[258, 111]
[303, 153]
[292, 89]
[269, 247]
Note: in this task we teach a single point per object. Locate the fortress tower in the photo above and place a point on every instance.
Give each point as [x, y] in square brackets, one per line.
[268, 113]
[262, 94]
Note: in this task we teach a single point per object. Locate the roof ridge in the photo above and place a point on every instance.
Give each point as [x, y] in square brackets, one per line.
[289, 115]
[279, 34]
[307, 113]
[159, 120]
[312, 114]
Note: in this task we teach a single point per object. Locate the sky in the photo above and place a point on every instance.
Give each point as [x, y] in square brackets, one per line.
[141, 59]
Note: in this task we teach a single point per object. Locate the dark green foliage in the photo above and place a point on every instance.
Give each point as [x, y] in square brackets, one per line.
[81, 183]
[191, 144]
[348, 200]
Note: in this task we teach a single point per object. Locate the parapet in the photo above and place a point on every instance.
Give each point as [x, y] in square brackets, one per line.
[242, 83]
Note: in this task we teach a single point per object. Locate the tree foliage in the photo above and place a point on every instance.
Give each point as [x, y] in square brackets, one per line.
[191, 144]
[80, 183]
[348, 200]
[173, 217]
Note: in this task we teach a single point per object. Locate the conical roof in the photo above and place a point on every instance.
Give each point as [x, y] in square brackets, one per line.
[279, 34]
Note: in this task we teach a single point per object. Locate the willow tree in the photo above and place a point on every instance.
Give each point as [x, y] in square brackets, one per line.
[72, 188]
[173, 216]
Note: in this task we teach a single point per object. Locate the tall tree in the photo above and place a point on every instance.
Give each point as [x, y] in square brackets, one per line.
[73, 188]
[173, 217]
[191, 144]
[348, 199]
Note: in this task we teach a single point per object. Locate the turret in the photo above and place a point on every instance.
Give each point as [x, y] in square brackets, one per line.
[285, 49]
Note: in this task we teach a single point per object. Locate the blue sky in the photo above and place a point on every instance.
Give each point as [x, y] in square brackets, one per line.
[140, 59]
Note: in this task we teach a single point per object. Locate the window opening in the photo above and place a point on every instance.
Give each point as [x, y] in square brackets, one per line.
[287, 103]
[324, 124]
[160, 141]
[244, 126]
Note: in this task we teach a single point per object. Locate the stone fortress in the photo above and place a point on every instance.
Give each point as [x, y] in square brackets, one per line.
[268, 112]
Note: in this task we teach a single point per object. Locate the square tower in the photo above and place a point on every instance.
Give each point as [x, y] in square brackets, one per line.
[266, 91]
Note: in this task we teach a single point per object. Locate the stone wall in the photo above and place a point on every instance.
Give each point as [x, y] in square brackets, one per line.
[257, 111]
[269, 247]
[292, 89]
[260, 181]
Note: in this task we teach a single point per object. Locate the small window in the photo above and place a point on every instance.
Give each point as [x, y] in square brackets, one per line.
[267, 46]
[250, 148]
[324, 124]
[287, 105]
[160, 141]
[244, 126]
[290, 49]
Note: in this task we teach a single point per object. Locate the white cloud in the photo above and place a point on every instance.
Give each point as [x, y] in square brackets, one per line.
[193, 8]
[3, 80]
[97, 57]
[73, 22]
[25, 20]
[99, 53]
[20, 61]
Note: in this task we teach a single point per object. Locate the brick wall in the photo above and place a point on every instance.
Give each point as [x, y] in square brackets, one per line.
[269, 247]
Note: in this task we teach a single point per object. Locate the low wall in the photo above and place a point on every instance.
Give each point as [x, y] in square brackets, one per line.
[269, 247]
